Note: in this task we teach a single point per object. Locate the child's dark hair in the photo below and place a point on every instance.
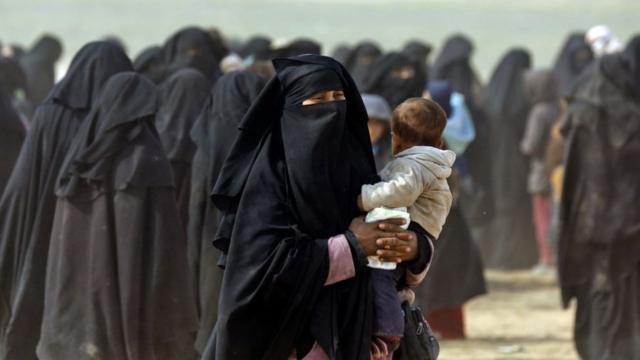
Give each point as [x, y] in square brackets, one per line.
[419, 121]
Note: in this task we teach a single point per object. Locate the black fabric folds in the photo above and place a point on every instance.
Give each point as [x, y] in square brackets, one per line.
[28, 205]
[599, 242]
[12, 131]
[213, 133]
[182, 97]
[117, 280]
[511, 243]
[39, 66]
[289, 194]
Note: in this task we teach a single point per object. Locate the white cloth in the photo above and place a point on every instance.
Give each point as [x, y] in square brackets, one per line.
[416, 179]
[383, 213]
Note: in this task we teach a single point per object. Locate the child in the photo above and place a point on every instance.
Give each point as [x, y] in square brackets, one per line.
[417, 179]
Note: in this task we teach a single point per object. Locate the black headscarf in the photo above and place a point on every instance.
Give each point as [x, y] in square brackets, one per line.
[195, 48]
[39, 66]
[149, 63]
[382, 80]
[86, 75]
[214, 133]
[258, 46]
[511, 243]
[573, 58]
[289, 194]
[454, 64]
[28, 205]
[300, 46]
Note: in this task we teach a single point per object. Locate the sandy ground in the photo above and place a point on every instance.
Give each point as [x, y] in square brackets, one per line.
[520, 318]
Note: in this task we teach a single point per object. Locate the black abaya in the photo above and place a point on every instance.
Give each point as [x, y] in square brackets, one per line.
[182, 97]
[39, 66]
[28, 204]
[289, 195]
[12, 130]
[214, 133]
[388, 78]
[511, 243]
[599, 243]
[117, 280]
[574, 57]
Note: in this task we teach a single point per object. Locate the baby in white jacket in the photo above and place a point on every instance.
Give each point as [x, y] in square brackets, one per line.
[416, 179]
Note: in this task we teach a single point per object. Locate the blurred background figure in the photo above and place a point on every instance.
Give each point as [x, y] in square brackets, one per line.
[602, 41]
[379, 124]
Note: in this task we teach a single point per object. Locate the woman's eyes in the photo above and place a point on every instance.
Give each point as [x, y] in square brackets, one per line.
[327, 96]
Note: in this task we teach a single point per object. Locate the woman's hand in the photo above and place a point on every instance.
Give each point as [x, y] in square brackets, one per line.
[368, 234]
[401, 246]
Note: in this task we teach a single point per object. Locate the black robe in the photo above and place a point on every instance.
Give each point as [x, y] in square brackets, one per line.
[182, 97]
[117, 280]
[511, 243]
[599, 243]
[27, 206]
[214, 133]
[361, 59]
[12, 130]
[288, 196]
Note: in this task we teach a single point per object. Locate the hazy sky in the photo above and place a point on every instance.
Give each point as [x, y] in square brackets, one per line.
[495, 25]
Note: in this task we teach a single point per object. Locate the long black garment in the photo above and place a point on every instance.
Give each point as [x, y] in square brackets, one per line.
[599, 244]
[396, 77]
[574, 57]
[456, 273]
[511, 243]
[39, 66]
[12, 130]
[28, 204]
[454, 65]
[150, 63]
[182, 97]
[214, 133]
[289, 195]
[117, 280]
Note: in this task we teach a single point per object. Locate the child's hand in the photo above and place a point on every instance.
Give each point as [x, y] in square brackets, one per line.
[360, 205]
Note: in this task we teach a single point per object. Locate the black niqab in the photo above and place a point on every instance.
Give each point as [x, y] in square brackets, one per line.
[361, 61]
[150, 63]
[28, 205]
[454, 64]
[12, 130]
[214, 133]
[289, 194]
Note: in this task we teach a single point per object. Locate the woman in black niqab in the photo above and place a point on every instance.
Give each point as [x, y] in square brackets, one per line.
[288, 195]
[599, 242]
[39, 65]
[149, 63]
[361, 60]
[182, 97]
[511, 243]
[574, 57]
[28, 204]
[117, 280]
[396, 77]
[214, 134]
[195, 48]
[419, 52]
[12, 129]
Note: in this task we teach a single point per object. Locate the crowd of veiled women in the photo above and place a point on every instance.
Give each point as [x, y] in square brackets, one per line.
[111, 247]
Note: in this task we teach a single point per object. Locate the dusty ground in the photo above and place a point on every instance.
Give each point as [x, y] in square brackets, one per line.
[521, 318]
